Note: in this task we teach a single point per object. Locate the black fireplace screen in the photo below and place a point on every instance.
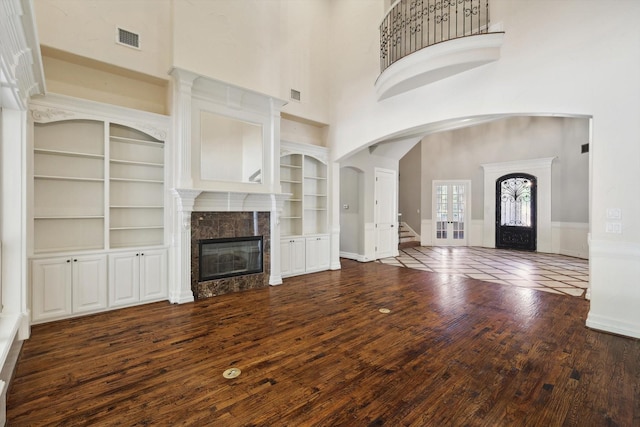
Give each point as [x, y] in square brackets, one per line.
[220, 258]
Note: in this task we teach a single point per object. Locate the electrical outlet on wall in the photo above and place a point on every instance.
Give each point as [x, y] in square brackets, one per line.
[614, 213]
[613, 227]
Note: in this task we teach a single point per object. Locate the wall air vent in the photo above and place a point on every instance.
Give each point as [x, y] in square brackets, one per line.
[295, 95]
[128, 38]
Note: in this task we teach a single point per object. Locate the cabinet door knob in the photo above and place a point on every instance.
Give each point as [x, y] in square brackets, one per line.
[68, 260]
[137, 254]
[142, 254]
[75, 260]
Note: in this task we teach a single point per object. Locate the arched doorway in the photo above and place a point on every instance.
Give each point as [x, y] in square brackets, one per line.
[516, 219]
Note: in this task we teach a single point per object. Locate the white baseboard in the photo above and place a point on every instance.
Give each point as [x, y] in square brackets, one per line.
[355, 257]
[608, 324]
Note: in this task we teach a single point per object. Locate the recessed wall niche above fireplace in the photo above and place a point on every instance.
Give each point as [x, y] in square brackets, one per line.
[230, 252]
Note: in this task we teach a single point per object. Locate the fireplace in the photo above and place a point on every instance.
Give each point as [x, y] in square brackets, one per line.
[235, 256]
[230, 252]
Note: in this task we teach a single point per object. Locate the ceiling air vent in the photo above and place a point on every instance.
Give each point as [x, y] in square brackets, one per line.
[128, 38]
[295, 95]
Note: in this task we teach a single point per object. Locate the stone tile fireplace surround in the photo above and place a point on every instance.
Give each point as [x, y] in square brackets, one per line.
[213, 225]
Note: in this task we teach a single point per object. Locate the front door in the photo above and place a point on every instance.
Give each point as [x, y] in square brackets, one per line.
[516, 212]
[450, 202]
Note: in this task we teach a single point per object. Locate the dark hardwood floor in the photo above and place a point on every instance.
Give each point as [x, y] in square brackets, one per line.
[316, 351]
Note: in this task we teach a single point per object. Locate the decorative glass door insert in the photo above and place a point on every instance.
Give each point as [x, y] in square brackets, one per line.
[516, 212]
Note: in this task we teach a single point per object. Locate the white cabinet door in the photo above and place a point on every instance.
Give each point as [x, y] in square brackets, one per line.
[317, 253]
[89, 278]
[153, 275]
[292, 256]
[124, 278]
[298, 258]
[51, 287]
[285, 258]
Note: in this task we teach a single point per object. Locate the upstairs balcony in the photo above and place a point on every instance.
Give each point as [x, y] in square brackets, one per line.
[422, 41]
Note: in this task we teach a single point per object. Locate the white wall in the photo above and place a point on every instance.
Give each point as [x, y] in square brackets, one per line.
[569, 57]
[267, 46]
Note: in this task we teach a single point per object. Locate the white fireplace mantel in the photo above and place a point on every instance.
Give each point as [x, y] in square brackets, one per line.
[192, 95]
[196, 200]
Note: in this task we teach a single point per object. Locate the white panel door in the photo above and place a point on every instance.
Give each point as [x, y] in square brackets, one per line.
[450, 212]
[51, 288]
[89, 283]
[124, 278]
[153, 275]
[385, 216]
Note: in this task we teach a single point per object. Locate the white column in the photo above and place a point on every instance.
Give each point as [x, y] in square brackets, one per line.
[182, 88]
[333, 169]
[275, 276]
[180, 287]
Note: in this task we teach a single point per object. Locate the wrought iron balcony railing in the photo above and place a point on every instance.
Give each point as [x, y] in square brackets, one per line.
[412, 25]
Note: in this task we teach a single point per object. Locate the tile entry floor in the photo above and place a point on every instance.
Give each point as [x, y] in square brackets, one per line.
[553, 273]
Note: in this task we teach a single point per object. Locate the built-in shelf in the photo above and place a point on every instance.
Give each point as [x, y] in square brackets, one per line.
[135, 207]
[149, 181]
[68, 178]
[149, 227]
[68, 153]
[69, 217]
[137, 141]
[131, 162]
[70, 249]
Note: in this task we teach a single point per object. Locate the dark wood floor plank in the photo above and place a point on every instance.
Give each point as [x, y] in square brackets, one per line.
[316, 351]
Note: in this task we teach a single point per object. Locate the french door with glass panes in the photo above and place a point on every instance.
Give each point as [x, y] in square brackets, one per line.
[451, 212]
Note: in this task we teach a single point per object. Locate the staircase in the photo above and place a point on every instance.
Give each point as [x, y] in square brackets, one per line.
[406, 234]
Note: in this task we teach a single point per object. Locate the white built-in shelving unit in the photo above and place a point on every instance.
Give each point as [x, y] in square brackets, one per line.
[69, 182]
[97, 209]
[136, 165]
[304, 243]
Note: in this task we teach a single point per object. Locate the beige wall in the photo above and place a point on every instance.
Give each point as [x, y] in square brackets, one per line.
[459, 154]
[268, 46]
[410, 187]
[88, 28]
[72, 75]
